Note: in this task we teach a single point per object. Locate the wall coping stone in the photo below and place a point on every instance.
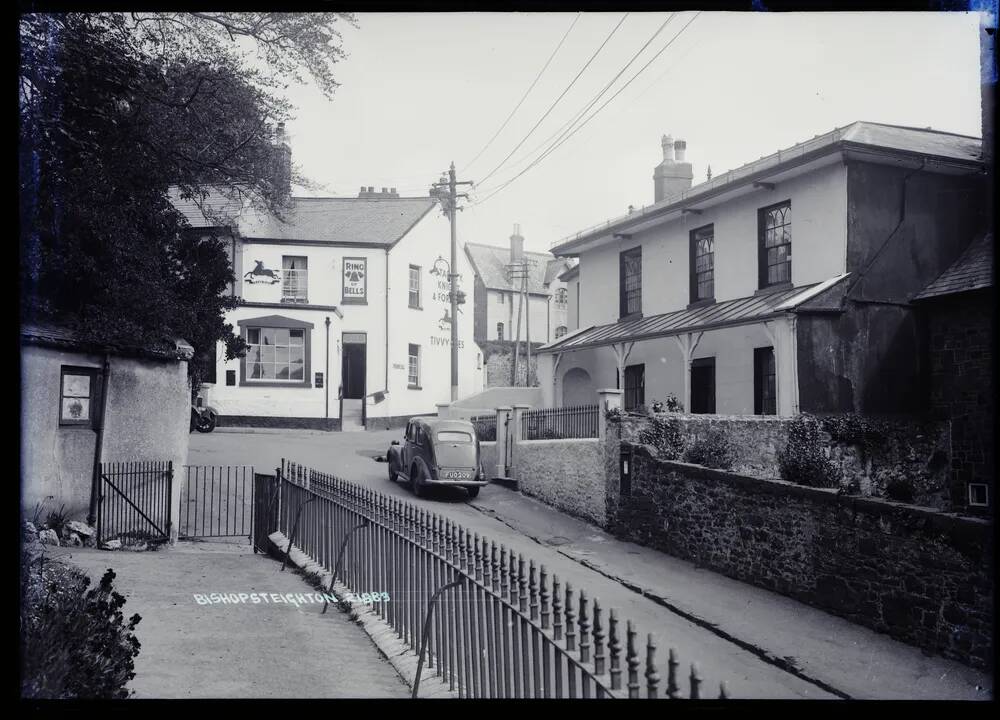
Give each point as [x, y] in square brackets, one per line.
[967, 531]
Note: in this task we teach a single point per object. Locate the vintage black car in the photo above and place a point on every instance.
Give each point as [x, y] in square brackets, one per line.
[437, 451]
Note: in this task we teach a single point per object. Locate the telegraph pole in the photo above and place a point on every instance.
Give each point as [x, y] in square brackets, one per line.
[445, 190]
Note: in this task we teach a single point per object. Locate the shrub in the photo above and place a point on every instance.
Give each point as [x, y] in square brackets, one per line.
[75, 641]
[855, 429]
[664, 434]
[614, 415]
[712, 451]
[657, 406]
[673, 404]
[895, 485]
[485, 432]
[802, 461]
[56, 520]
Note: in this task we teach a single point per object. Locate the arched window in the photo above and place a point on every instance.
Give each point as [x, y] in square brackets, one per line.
[561, 296]
[560, 331]
[500, 331]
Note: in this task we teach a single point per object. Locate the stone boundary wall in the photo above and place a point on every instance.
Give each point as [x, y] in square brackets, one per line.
[920, 575]
[569, 475]
[915, 448]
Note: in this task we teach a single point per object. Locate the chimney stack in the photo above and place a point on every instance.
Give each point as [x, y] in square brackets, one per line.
[368, 193]
[516, 245]
[674, 175]
[282, 162]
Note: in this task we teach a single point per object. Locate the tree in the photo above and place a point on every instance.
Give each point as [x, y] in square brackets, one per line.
[109, 122]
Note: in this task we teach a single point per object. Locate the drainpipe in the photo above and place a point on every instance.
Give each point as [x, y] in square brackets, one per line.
[386, 384]
[326, 377]
[95, 478]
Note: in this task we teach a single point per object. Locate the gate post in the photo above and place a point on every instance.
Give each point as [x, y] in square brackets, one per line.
[174, 506]
[503, 413]
[515, 438]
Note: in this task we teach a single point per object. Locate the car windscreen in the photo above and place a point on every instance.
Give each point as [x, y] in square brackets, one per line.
[454, 436]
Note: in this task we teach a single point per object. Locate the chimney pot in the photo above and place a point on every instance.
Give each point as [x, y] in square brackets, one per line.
[385, 191]
[371, 188]
[668, 148]
[393, 190]
[680, 147]
[516, 244]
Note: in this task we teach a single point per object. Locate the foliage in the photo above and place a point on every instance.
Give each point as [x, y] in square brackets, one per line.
[640, 410]
[855, 429]
[895, 485]
[57, 519]
[673, 404]
[657, 406]
[293, 45]
[115, 110]
[75, 641]
[664, 434]
[712, 451]
[802, 461]
[549, 433]
[485, 431]
[614, 415]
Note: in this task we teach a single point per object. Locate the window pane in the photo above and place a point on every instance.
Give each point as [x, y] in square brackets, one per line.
[255, 371]
[281, 336]
[296, 355]
[296, 337]
[454, 436]
[281, 355]
[267, 336]
[76, 386]
[76, 408]
[282, 372]
[267, 371]
[253, 336]
[297, 373]
[267, 354]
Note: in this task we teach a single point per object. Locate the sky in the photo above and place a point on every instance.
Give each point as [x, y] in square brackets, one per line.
[421, 90]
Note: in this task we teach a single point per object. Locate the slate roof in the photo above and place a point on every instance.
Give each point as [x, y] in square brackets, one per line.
[490, 263]
[360, 221]
[59, 336]
[972, 271]
[861, 135]
[728, 313]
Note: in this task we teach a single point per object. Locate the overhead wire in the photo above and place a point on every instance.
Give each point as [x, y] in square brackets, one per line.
[579, 127]
[556, 102]
[597, 97]
[524, 96]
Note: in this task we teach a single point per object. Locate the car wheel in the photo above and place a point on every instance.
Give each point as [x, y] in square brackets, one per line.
[392, 472]
[473, 492]
[417, 482]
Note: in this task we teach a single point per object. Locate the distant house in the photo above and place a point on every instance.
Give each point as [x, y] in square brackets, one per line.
[779, 287]
[346, 311]
[69, 383]
[958, 309]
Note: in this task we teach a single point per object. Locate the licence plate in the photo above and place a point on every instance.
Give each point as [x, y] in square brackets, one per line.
[456, 475]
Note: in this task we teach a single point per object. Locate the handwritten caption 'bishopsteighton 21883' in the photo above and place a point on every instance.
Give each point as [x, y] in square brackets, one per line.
[295, 599]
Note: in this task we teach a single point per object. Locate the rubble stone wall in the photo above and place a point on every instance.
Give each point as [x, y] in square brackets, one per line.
[920, 575]
[567, 474]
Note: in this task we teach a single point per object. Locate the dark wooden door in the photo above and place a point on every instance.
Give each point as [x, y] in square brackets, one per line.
[703, 385]
[354, 370]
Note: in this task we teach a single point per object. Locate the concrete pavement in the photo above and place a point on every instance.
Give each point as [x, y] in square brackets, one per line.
[762, 644]
[235, 650]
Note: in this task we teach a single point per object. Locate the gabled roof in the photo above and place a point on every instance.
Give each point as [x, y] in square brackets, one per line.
[728, 313]
[349, 221]
[972, 271]
[59, 336]
[490, 264]
[936, 147]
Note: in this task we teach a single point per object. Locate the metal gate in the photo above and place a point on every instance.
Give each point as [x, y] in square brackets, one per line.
[217, 501]
[134, 502]
[265, 509]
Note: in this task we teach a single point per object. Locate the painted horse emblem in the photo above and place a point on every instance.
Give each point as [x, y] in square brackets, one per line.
[261, 274]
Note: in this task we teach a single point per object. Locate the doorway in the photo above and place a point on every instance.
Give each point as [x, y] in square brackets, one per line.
[703, 385]
[353, 370]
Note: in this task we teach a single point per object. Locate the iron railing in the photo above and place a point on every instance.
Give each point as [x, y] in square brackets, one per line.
[486, 427]
[217, 501]
[578, 421]
[134, 502]
[489, 622]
